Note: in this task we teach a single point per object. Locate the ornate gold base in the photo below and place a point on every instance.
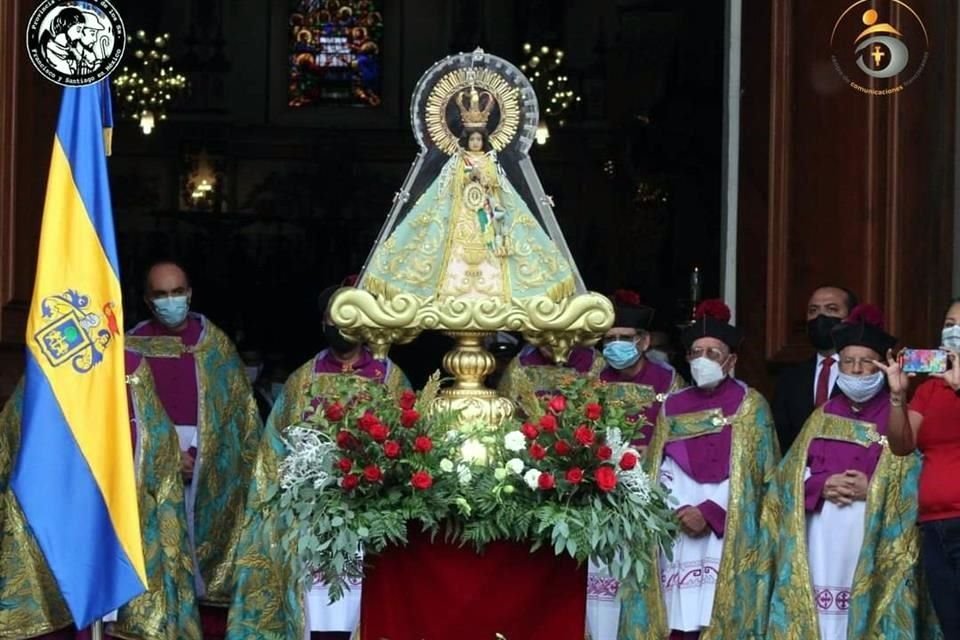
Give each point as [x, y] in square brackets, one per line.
[470, 363]
[379, 322]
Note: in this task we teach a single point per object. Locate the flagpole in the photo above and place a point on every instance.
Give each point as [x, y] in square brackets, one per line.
[98, 630]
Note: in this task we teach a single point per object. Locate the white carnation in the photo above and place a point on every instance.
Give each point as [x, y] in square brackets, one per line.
[515, 465]
[446, 465]
[464, 475]
[532, 478]
[514, 441]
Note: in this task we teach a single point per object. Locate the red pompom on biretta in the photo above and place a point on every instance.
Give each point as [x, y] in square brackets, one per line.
[630, 311]
[713, 308]
[627, 297]
[712, 320]
[866, 314]
[864, 328]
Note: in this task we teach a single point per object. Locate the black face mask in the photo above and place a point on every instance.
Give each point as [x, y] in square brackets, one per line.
[819, 331]
[336, 341]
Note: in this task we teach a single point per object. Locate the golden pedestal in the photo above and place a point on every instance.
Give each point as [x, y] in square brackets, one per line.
[380, 322]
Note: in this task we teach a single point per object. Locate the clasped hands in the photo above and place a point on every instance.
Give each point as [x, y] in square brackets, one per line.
[692, 522]
[842, 489]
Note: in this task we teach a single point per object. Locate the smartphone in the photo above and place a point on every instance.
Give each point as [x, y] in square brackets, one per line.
[923, 361]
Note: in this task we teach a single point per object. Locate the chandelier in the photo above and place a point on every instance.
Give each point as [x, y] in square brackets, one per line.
[543, 68]
[148, 83]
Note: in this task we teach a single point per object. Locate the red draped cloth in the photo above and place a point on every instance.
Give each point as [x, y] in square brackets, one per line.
[437, 591]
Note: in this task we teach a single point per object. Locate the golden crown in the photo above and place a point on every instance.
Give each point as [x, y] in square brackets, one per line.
[473, 116]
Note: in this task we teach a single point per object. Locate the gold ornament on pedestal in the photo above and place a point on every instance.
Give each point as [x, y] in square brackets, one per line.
[471, 245]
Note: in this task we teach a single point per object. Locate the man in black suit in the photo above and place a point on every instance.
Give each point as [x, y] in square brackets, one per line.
[804, 386]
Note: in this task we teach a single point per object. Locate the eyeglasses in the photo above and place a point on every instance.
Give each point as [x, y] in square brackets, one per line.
[712, 353]
[866, 364]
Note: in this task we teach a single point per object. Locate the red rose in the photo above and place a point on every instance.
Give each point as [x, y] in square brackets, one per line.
[604, 452]
[628, 461]
[606, 478]
[409, 418]
[593, 411]
[537, 452]
[558, 404]
[574, 475]
[530, 431]
[391, 449]
[422, 444]
[335, 412]
[584, 435]
[407, 400]
[345, 464]
[545, 481]
[372, 473]
[562, 447]
[367, 420]
[548, 423]
[350, 482]
[421, 480]
[345, 439]
[379, 432]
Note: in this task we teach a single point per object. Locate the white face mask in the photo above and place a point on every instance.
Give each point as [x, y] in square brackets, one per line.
[861, 388]
[706, 373]
[950, 338]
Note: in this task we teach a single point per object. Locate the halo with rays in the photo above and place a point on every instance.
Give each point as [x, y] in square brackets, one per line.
[505, 95]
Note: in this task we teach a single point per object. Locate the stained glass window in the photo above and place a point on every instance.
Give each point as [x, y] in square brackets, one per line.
[335, 53]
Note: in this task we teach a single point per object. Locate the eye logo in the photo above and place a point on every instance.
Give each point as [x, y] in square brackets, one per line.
[879, 55]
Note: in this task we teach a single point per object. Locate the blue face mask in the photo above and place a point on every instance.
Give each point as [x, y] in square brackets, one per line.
[172, 311]
[621, 355]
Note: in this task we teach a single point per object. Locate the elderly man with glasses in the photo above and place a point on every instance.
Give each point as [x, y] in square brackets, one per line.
[713, 447]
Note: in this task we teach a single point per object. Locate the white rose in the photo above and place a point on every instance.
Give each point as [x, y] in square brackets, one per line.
[514, 441]
[446, 465]
[464, 474]
[515, 465]
[532, 478]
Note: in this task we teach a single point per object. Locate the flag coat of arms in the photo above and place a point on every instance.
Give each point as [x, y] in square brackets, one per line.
[74, 474]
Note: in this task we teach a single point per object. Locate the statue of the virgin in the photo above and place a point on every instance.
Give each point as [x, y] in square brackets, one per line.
[470, 235]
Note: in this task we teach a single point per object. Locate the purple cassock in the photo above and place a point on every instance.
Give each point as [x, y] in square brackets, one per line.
[365, 366]
[827, 457]
[176, 378]
[654, 375]
[706, 458]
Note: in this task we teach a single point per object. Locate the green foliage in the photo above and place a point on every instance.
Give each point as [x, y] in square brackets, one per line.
[468, 502]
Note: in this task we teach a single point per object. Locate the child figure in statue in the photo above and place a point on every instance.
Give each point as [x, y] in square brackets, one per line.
[470, 235]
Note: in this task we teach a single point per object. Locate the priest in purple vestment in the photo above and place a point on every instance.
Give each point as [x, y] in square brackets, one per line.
[713, 447]
[638, 386]
[537, 366]
[839, 518]
[265, 601]
[203, 387]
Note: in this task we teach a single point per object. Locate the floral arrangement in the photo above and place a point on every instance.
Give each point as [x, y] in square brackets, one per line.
[366, 464]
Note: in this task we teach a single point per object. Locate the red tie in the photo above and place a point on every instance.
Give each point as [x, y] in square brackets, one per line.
[823, 382]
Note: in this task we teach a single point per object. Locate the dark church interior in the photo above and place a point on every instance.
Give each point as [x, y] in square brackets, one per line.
[269, 198]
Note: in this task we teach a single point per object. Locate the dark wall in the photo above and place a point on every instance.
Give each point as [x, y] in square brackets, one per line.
[841, 187]
[634, 173]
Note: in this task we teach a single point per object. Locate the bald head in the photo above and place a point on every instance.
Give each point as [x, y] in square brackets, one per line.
[165, 279]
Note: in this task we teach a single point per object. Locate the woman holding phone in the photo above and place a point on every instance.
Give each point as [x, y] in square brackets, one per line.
[930, 423]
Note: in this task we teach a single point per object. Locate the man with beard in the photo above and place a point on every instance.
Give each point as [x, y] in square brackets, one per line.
[69, 44]
[803, 387]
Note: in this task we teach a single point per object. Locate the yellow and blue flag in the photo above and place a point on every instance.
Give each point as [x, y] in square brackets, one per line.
[74, 475]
